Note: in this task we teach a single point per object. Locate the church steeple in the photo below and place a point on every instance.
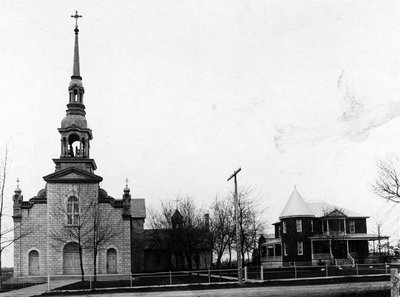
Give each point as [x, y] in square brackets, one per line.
[76, 89]
[76, 70]
[75, 134]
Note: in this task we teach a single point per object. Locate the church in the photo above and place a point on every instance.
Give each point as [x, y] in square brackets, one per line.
[73, 225]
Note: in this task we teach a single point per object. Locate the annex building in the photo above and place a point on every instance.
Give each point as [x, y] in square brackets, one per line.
[73, 213]
[318, 233]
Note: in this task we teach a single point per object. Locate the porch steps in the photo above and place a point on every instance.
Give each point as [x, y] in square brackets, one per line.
[343, 262]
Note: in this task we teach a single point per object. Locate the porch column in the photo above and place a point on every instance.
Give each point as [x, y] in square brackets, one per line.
[344, 227]
[330, 246]
[347, 245]
[312, 249]
[327, 228]
[274, 249]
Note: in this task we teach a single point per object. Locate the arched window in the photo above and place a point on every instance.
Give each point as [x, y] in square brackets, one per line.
[72, 211]
[111, 261]
[33, 259]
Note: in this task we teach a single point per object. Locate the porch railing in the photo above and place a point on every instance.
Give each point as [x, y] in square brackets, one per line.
[271, 259]
[333, 260]
[350, 257]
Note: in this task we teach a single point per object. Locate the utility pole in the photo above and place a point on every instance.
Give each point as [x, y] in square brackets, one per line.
[238, 240]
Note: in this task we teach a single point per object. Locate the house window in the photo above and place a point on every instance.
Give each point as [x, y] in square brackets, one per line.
[300, 248]
[279, 231]
[352, 227]
[312, 226]
[284, 226]
[298, 226]
[285, 249]
[72, 211]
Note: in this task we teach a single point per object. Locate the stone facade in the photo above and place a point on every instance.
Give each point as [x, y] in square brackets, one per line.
[65, 217]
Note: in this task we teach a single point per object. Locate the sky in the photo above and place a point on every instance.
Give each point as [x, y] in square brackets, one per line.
[179, 94]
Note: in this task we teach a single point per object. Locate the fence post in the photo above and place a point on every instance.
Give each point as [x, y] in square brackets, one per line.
[262, 273]
[90, 282]
[356, 268]
[295, 270]
[209, 275]
[131, 279]
[245, 273]
[394, 279]
[386, 267]
[48, 282]
[170, 277]
[326, 270]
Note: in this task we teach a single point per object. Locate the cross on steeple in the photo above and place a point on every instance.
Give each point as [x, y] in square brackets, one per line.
[17, 182]
[76, 16]
[126, 180]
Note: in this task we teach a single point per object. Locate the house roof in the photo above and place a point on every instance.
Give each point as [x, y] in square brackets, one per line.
[298, 207]
[321, 209]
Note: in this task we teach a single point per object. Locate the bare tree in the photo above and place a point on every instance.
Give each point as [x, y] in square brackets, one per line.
[103, 230]
[6, 233]
[3, 176]
[180, 230]
[221, 226]
[387, 184]
[251, 221]
[335, 231]
[161, 239]
[73, 223]
[85, 222]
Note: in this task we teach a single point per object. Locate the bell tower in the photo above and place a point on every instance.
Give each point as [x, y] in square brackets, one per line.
[75, 134]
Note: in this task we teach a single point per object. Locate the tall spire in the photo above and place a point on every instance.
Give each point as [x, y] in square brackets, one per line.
[76, 71]
[75, 88]
[75, 134]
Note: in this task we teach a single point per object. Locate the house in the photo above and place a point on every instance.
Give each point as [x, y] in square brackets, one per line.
[72, 212]
[309, 233]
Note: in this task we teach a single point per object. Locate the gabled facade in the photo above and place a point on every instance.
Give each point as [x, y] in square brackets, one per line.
[316, 233]
[44, 243]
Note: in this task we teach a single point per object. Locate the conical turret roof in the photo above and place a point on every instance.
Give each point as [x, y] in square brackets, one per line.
[296, 207]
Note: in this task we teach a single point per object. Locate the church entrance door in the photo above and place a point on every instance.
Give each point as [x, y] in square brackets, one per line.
[71, 258]
[33, 263]
[111, 261]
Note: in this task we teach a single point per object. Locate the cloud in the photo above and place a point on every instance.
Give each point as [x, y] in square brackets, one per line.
[355, 122]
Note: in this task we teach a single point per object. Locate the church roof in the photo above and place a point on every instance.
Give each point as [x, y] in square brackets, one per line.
[71, 175]
[138, 208]
[296, 207]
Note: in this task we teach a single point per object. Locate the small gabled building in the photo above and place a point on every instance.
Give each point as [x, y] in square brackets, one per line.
[310, 233]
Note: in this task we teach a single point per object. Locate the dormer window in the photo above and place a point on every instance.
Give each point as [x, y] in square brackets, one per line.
[72, 211]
